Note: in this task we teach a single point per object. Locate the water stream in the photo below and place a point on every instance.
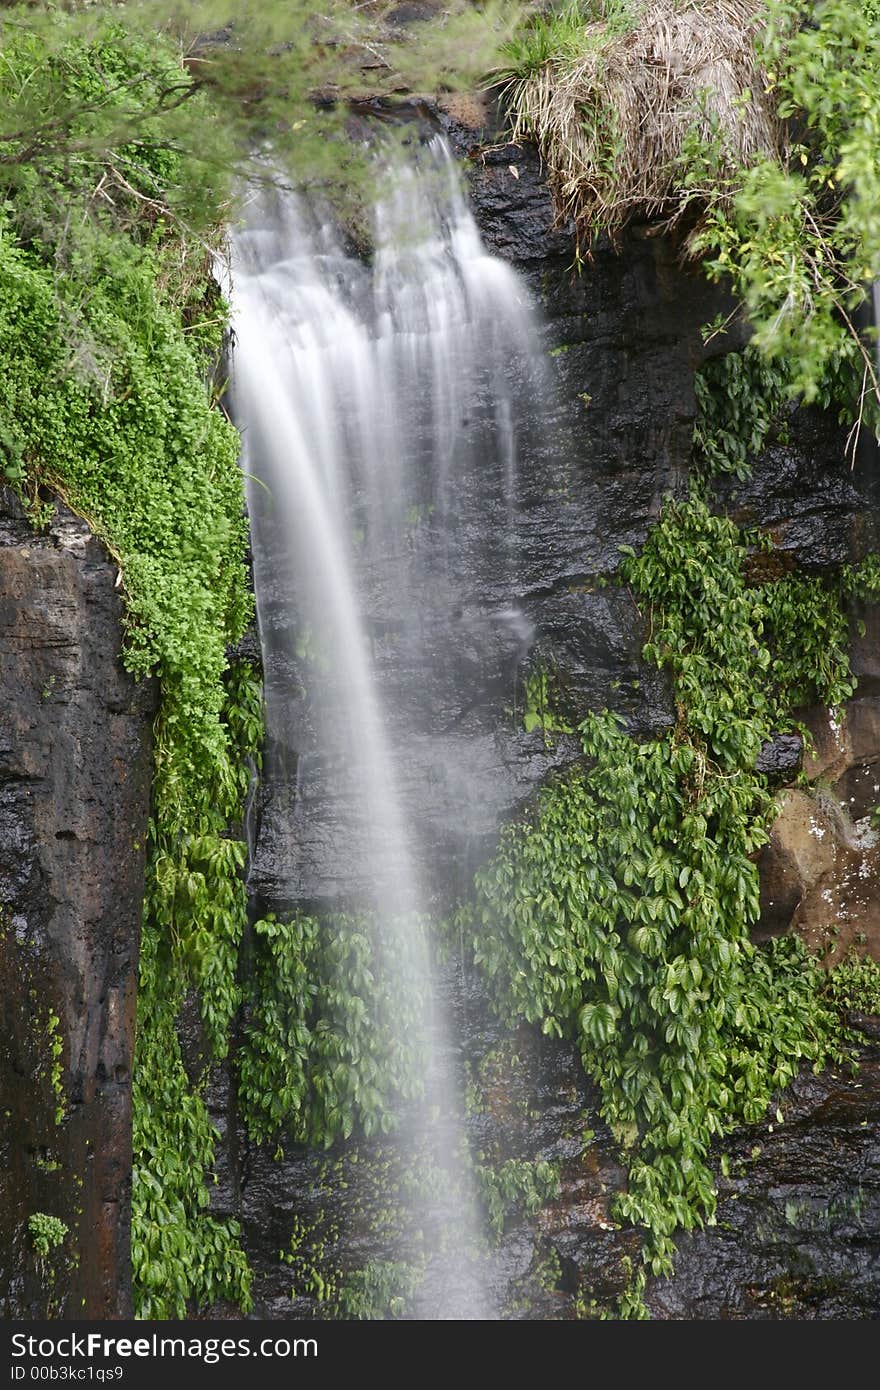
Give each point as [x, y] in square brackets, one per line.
[369, 398]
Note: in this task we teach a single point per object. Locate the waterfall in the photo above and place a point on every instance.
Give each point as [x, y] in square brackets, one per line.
[369, 398]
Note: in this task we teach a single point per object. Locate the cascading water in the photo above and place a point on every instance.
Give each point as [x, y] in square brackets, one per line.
[368, 401]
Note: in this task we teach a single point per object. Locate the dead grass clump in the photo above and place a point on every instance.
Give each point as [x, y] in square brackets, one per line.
[617, 123]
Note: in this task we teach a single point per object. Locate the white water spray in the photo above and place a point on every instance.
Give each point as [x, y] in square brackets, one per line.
[365, 400]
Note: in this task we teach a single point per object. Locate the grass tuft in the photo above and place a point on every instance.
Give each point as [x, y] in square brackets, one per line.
[618, 93]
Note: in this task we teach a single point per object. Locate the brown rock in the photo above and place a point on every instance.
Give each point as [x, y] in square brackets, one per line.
[830, 754]
[858, 785]
[820, 876]
[74, 801]
[842, 910]
[802, 849]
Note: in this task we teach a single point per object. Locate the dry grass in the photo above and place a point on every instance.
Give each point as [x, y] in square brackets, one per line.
[612, 123]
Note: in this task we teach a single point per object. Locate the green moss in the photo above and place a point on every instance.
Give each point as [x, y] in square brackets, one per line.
[56, 1078]
[46, 1233]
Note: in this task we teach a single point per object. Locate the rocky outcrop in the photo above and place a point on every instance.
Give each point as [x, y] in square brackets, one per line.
[797, 1231]
[798, 1221]
[619, 343]
[796, 1235]
[820, 873]
[622, 342]
[74, 800]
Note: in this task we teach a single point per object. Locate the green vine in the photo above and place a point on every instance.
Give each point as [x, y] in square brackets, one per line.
[517, 1186]
[740, 401]
[539, 712]
[799, 236]
[195, 915]
[618, 914]
[333, 1035]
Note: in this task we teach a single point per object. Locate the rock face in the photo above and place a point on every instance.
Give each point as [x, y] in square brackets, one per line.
[800, 1214]
[623, 341]
[630, 326]
[620, 344]
[74, 799]
[798, 1221]
[820, 873]
[798, 1233]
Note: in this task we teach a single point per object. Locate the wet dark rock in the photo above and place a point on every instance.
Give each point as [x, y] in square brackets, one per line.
[868, 1024]
[622, 341]
[410, 14]
[798, 1222]
[74, 800]
[781, 757]
[865, 648]
[819, 508]
[586, 638]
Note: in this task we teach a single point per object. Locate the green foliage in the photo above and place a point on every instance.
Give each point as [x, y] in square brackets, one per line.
[108, 324]
[549, 1271]
[195, 890]
[740, 400]
[779, 179]
[86, 153]
[306, 1254]
[163, 83]
[56, 1066]
[136, 448]
[554, 35]
[542, 37]
[517, 1186]
[539, 713]
[334, 1033]
[180, 1253]
[740, 654]
[195, 914]
[618, 913]
[382, 1289]
[854, 984]
[46, 1232]
[801, 240]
